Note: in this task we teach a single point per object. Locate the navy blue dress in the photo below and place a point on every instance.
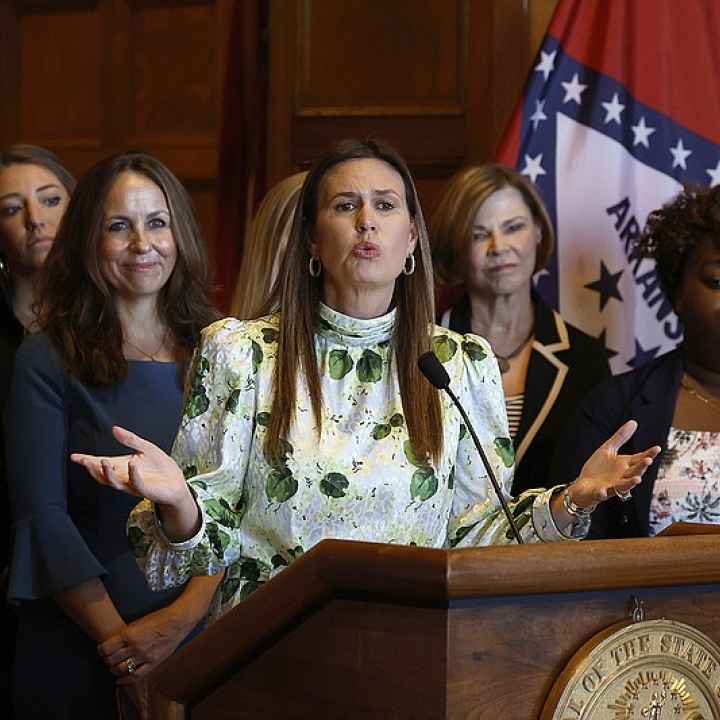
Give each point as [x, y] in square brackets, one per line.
[68, 529]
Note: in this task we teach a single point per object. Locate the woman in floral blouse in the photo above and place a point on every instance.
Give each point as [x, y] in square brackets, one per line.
[676, 397]
[314, 422]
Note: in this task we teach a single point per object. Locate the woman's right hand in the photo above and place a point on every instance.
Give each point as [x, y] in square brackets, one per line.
[148, 472]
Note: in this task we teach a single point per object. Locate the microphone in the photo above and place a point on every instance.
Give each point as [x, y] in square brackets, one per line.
[437, 375]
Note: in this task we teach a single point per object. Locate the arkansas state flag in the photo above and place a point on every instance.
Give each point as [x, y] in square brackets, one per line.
[621, 108]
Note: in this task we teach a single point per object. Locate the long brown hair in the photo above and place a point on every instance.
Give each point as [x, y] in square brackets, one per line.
[77, 307]
[468, 189]
[296, 295]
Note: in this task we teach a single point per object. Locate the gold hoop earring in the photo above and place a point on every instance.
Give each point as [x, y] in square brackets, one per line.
[314, 267]
[409, 270]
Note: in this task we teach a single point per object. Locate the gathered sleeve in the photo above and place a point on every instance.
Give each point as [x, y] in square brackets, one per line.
[213, 450]
[49, 553]
[476, 516]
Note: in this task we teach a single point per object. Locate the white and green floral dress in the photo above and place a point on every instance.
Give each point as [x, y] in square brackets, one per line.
[359, 480]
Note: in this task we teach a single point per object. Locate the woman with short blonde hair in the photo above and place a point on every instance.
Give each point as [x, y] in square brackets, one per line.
[490, 234]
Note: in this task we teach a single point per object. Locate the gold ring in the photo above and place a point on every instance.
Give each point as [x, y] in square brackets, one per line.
[131, 666]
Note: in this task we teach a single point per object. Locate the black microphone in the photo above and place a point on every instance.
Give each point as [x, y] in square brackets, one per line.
[433, 370]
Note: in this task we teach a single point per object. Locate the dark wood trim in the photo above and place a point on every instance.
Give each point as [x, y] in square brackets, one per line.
[423, 578]
[47, 7]
[9, 73]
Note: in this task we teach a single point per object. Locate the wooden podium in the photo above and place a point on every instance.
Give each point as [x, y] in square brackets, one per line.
[360, 630]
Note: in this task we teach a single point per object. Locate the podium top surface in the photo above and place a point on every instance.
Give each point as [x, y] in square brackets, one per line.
[430, 578]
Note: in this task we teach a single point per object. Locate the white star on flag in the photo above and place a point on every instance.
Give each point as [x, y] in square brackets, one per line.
[613, 109]
[533, 167]
[538, 116]
[573, 89]
[642, 133]
[546, 64]
[680, 155]
[714, 175]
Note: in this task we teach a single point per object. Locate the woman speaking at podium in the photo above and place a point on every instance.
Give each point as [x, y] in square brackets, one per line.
[313, 421]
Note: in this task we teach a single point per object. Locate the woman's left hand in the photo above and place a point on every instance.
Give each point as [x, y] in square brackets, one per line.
[148, 641]
[607, 473]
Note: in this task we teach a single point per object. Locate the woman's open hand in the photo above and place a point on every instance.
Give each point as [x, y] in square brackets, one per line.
[148, 472]
[607, 473]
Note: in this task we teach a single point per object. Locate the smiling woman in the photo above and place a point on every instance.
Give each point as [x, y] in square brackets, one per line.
[123, 300]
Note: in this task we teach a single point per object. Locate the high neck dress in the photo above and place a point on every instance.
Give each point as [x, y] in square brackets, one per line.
[354, 478]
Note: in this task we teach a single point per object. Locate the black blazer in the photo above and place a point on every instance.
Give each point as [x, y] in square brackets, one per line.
[565, 365]
[648, 395]
[11, 335]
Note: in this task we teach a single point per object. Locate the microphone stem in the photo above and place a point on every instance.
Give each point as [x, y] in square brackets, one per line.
[488, 468]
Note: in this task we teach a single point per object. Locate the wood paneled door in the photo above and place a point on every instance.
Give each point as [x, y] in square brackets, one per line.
[87, 78]
[437, 79]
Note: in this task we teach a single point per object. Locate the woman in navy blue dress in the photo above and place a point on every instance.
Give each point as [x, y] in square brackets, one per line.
[124, 297]
[34, 191]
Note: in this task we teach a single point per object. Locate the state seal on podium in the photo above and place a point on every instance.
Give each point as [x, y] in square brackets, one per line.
[646, 670]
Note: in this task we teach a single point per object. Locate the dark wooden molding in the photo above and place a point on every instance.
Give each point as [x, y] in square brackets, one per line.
[428, 578]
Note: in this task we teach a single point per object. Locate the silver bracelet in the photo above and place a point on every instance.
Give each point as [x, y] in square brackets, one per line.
[579, 513]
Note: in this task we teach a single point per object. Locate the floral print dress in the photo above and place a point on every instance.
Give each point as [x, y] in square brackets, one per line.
[359, 479]
[687, 488]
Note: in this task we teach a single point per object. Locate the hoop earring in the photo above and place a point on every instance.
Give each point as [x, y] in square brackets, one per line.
[315, 266]
[409, 270]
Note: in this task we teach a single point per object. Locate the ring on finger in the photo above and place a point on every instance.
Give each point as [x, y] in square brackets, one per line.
[131, 666]
[623, 495]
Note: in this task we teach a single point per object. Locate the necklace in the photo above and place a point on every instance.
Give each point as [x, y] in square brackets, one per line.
[152, 356]
[504, 360]
[695, 392]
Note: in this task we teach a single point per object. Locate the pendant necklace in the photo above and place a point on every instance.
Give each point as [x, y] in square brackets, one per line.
[151, 356]
[504, 360]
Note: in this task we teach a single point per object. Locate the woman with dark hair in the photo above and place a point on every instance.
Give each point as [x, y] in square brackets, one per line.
[676, 397]
[314, 421]
[123, 297]
[34, 191]
[490, 234]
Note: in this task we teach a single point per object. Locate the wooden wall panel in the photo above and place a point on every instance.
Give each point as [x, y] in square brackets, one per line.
[401, 61]
[54, 109]
[174, 98]
[88, 78]
[437, 79]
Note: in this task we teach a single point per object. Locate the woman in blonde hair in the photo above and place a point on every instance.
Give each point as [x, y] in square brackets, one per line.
[314, 421]
[490, 234]
[264, 247]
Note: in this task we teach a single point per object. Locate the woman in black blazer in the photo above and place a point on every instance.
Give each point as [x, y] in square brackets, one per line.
[675, 398]
[490, 234]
